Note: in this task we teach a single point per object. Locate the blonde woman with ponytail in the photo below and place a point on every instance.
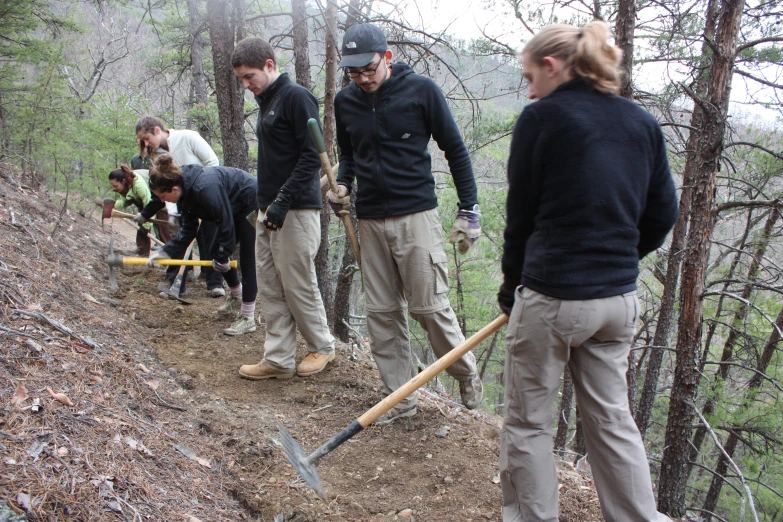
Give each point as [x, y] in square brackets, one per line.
[590, 194]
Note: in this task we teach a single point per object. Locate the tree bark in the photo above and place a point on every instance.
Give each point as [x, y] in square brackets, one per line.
[579, 439]
[226, 20]
[676, 251]
[624, 31]
[566, 401]
[199, 79]
[674, 465]
[301, 49]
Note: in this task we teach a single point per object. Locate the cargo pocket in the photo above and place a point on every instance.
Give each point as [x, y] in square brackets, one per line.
[631, 309]
[441, 272]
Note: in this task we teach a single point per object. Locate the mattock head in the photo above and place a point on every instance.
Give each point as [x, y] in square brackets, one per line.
[112, 261]
[108, 206]
[297, 458]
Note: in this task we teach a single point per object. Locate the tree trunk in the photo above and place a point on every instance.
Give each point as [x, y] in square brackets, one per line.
[226, 19]
[301, 49]
[674, 465]
[199, 80]
[566, 401]
[676, 251]
[579, 439]
[713, 494]
[623, 30]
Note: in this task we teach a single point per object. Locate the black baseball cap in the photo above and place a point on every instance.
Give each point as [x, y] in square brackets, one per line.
[360, 43]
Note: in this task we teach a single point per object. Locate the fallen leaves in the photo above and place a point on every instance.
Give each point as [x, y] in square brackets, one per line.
[20, 395]
[189, 453]
[59, 397]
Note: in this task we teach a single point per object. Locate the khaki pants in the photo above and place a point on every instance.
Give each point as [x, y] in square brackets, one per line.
[593, 337]
[405, 271]
[288, 288]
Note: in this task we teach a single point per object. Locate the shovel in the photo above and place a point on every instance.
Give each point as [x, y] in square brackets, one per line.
[177, 285]
[305, 465]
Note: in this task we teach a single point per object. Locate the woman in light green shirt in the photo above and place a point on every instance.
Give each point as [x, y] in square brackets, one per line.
[133, 189]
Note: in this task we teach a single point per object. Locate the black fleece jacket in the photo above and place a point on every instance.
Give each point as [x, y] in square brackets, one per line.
[590, 194]
[383, 140]
[217, 194]
[287, 159]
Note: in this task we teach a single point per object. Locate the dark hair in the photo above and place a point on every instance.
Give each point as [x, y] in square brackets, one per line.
[165, 174]
[123, 174]
[148, 124]
[253, 52]
[586, 52]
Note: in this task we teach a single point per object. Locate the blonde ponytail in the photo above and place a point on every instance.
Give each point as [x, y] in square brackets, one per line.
[586, 52]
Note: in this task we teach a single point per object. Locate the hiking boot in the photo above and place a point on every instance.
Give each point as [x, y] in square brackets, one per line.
[394, 414]
[313, 363]
[471, 391]
[230, 307]
[256, 372]
[242, 325]
[216, 292]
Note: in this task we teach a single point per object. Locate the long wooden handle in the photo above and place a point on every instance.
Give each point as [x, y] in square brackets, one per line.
[177, 262]
[326, 166]
[124, 215]
[430, 372]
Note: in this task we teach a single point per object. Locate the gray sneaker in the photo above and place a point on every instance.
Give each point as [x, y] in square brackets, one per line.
[471, 391]
[230, 307]
[394, 414]
[242, 325]
[216, 292]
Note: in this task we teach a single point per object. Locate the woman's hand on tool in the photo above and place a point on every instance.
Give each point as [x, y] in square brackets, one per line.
[221, 266]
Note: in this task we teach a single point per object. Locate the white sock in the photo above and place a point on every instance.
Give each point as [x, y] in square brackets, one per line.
[236, 291]
[248, 309]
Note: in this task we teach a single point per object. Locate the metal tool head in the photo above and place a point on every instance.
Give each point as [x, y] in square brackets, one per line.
[108, 206]
[297, 458]
[172, 292]
[112, 278]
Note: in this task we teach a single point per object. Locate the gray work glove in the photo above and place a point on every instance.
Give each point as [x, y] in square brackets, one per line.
[466, 229]
[174, 224]
[139, 219]
[340, 201]
[221, 266]
[157, 256]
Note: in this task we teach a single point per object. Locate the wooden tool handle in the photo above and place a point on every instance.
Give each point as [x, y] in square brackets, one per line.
[430, 372]
[124, 215]
[177, 262]
[318, 139]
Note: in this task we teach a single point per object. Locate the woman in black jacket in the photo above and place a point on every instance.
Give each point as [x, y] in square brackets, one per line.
[590, 194]
[224, 196]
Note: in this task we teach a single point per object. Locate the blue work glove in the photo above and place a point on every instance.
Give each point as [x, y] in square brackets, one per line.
[276, 212]
[340, 201]
[221, 265]
[466, 229]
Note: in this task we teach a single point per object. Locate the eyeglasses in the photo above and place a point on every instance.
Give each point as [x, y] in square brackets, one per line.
[369, 71]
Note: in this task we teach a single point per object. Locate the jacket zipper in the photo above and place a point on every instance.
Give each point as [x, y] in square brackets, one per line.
[377, 143]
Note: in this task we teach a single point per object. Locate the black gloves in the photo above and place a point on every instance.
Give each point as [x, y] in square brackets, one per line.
[506, 295]
[276, 212]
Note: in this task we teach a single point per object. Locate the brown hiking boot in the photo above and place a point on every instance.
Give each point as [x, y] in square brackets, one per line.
[313, 363]
[471, 391]
[256, 372]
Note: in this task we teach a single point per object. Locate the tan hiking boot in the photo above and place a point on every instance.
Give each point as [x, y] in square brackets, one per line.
[256, 372]
[230, 307]
[471, 391]
[394, 414]
[313, 363]
[241, 326]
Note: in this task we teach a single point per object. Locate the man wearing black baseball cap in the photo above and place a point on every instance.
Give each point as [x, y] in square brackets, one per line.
[385, 119]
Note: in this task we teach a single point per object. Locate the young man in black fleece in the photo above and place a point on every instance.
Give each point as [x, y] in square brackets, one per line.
[385, 119]
[288, 229]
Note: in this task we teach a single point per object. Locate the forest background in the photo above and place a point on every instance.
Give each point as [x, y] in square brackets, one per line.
[705, 369]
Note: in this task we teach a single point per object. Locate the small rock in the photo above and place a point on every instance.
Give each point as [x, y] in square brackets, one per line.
[173, 372]
[442, 432]
[405, 513]
[448, 480]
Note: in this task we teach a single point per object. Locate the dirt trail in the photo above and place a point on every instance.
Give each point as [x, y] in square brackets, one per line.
[399, 472]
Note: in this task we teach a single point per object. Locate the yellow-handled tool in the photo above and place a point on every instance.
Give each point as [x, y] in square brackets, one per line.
[326, 166]
[117, 260]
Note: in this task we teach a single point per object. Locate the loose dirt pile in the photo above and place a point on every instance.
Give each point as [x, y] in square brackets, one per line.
[156, 425]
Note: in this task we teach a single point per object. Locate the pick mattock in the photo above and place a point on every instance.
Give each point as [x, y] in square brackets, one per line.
[110, 212]
[326, 166]
[305, 465]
